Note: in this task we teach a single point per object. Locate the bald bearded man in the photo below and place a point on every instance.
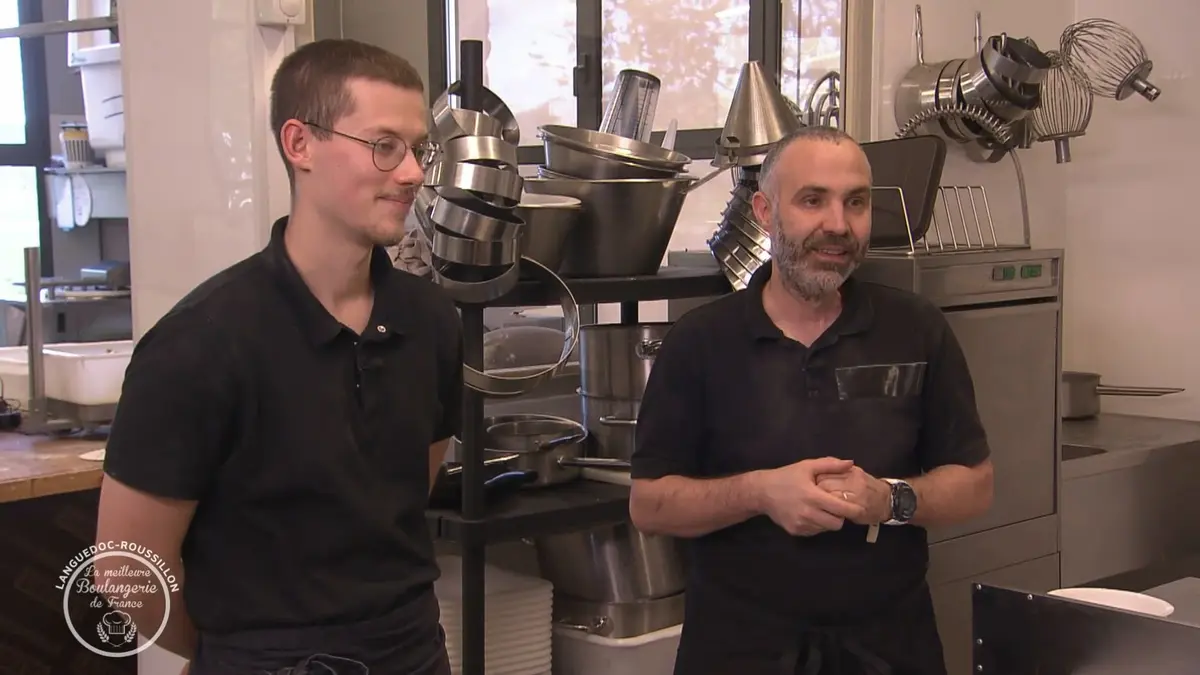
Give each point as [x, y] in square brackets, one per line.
[802, 434]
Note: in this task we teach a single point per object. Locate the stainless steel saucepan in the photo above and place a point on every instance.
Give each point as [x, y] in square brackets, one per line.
[1081, 392]
[552, 447]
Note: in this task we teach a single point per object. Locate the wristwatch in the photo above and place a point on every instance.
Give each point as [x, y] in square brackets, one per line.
[904, 502]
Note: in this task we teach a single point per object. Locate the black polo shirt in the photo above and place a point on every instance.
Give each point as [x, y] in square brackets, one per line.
[886, 386]
[305, 444]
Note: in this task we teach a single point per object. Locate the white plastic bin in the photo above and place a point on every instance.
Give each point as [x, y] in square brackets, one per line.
[103, 101]
[14, 375]
[579, 653]
[87, 373]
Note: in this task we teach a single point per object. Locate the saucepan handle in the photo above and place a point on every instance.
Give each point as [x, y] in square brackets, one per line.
[599, 625]
[1113, 390]
[456, 468]
[570, 439]
[708, 177]
[594, 462]
[648, 349]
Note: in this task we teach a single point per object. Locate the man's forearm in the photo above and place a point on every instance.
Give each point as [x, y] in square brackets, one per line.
[951, 494]
[693, 507]
[179, 636]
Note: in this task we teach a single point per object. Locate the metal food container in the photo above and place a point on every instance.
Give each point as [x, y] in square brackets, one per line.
[612, 564]
[1081, 392]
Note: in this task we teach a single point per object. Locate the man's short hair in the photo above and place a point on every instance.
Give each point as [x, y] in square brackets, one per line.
[815, 133]
[311, 83]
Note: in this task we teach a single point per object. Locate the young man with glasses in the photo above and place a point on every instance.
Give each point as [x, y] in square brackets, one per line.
[279, 429]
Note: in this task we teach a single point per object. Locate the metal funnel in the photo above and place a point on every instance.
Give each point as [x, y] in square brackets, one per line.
[759, 116]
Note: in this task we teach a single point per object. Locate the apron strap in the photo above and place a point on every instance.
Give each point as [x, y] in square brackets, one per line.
[817, 643]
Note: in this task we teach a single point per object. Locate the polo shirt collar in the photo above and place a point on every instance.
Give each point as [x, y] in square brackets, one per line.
[321, 326]
[857, 311]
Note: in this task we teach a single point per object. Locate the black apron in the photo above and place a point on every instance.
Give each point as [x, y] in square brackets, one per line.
[408, 641]
[901, 641]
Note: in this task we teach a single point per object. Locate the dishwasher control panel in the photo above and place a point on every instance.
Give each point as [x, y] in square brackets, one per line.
[1023, 270]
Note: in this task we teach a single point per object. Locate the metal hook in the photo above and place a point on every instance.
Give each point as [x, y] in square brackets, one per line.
[919, 32]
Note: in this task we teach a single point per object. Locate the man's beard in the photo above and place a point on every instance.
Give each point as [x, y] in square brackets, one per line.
[802, 272]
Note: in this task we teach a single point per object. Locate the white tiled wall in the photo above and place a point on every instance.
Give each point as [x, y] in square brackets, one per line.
[204, 176]
[1133, 310]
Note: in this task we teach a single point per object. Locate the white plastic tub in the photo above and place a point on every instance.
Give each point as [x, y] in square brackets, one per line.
[87, 373]
[14, 375]
[103, 102]
[579, 653]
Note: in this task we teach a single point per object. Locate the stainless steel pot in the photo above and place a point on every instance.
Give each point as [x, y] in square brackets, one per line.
[614, 148]
[570, 161]
[615, 360]
[612, 425]
[612, 564]
[549, 220]
[626, 225]
[1081, 392]
[552, 447]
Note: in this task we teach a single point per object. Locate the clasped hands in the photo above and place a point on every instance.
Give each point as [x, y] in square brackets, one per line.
[819, 495]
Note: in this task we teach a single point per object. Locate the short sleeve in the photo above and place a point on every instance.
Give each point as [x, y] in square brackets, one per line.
[669, 436]
[177, 411]
[951, 431]
[450, 376]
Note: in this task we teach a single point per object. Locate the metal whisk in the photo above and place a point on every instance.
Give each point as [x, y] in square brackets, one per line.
[1111, 56]
[1066, 108]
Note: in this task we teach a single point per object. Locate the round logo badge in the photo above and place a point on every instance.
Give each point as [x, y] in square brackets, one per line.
[107, 589]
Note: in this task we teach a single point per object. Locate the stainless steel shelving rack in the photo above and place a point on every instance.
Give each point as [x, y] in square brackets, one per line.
[573, 506]
[549, 510]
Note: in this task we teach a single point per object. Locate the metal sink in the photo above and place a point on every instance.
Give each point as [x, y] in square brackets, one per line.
[1070, 452]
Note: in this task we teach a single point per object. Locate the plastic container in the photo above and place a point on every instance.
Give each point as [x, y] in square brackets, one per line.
[103, 101]
[579, 653]
[87, 373]
[14, 375]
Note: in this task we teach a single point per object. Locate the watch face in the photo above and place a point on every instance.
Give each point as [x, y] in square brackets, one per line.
[904, 501]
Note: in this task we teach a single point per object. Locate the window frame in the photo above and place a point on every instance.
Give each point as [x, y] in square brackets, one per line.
[766, 46]
[35, 151]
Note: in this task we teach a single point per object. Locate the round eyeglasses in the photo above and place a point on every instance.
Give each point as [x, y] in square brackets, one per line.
[389, 152]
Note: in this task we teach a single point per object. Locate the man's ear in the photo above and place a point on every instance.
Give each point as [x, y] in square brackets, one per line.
[762, 210]
[296, 140]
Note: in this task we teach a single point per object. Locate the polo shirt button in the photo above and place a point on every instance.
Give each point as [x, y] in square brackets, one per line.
[381, 328]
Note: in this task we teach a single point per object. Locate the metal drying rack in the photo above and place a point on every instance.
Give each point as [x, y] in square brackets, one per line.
[972, 229]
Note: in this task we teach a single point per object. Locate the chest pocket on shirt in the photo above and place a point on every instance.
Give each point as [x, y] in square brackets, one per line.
[881, 403]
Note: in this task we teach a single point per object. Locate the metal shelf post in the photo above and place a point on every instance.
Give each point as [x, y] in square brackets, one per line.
[473, 507]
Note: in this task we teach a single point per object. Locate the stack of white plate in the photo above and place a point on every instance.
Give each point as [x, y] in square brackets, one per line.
[518, 621]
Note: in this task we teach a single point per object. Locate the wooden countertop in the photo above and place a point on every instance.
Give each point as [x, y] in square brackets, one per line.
[36, 466]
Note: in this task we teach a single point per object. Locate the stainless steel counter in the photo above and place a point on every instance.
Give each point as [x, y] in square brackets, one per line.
[1112, 442]
[1127, 494]
[1184, 596]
